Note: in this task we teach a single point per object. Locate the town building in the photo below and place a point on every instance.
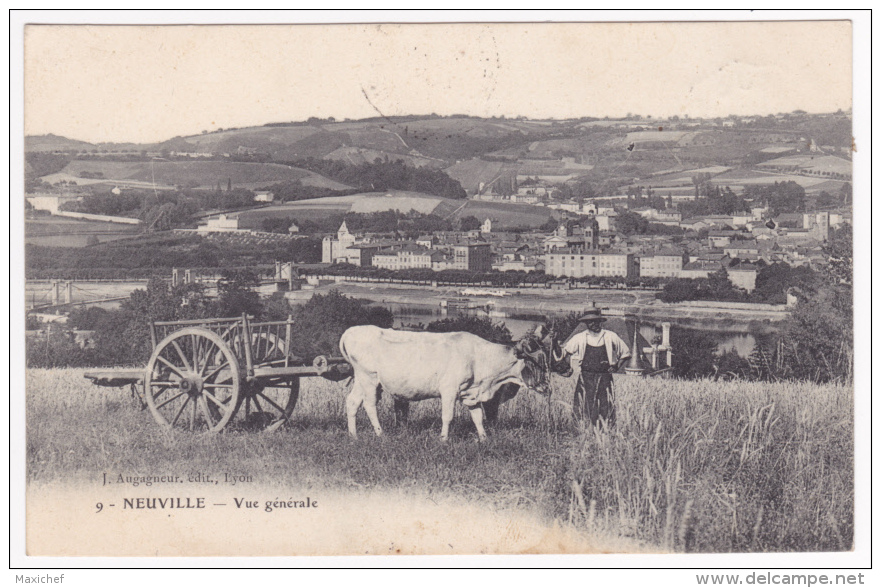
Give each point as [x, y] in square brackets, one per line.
[818, 223]
[742, 219]
[577, 263]
[219, 224]
[441, 261]
[361, 254]
[332, 249]
[742, 250]
[476, 257]
[407, 258]
[427, 241]
[700, 268]
[663, 217]
[838, 218]
[743, 276]
[694, 224]
[719, 239]
[666, 263]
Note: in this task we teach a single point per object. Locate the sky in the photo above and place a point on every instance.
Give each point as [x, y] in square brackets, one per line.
[150, 83]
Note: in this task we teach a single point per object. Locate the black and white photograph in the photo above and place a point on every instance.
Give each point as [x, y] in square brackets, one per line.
[575, 290]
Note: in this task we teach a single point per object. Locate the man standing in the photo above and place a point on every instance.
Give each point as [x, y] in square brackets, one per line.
[597, 353]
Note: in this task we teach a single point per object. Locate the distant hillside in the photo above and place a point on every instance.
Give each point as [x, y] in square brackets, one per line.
[358, 155]
[52, 142]
[504, 215]
[202, 174]
[419, 141]
[477, 150]
[319, 208]
[474, 172]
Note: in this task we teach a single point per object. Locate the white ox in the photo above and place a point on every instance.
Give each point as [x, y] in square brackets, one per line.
[418, 365]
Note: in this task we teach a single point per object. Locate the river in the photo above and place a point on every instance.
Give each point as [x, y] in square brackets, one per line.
[742, 343]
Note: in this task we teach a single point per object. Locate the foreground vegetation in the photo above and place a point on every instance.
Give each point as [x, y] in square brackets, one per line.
[691, 466]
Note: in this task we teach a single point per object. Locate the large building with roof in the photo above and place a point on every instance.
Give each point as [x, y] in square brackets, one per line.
[347, 248]
[413, 257]
[476, 257]
[578, 263]
[666, 263]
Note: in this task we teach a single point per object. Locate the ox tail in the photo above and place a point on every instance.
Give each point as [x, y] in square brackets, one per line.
[343, 349]
[347, 357]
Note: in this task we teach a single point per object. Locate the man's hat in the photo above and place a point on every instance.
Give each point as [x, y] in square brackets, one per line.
[594, 314]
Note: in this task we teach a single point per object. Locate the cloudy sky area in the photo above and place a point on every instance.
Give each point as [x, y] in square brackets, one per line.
[150, 83]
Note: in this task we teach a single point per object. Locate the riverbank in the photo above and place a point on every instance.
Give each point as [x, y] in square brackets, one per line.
[719, 316]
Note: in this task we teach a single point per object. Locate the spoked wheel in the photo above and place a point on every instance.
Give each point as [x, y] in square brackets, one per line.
[266, 405]
[192, 381]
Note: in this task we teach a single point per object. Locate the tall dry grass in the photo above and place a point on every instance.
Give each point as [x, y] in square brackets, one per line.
[690, 466]
[708, 466]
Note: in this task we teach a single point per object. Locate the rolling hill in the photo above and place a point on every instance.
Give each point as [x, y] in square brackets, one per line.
[503, 214]
[52, 142]
[471, 150]
[202, 174]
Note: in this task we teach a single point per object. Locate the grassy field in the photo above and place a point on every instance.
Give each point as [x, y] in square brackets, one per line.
[691, 466]
[473, 172]
[62, 232]
[362, 155]
[506, 215]
[364, 203]
[205, 174]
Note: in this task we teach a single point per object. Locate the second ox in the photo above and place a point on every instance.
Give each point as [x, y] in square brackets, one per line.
[451, 366]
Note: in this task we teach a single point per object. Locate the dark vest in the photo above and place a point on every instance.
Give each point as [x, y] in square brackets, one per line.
[596, 360]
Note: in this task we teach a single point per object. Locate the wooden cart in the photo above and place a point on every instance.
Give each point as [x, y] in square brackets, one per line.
[210, 374]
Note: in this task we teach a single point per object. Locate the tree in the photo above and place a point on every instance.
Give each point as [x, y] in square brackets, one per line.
[727, 202]
[826, 200]
[484, 328]
[782, 197]
[236, 294]
[818, 335]
[276, 224]
[122, 337]
[695, 353]
[630, 223]
[846, 193]
[469, 223]
[549, 225]
[324, 318]
[679, 289]
[276, 308]
[774, 280]
[839, 256]
[719, 287]
[702, 185]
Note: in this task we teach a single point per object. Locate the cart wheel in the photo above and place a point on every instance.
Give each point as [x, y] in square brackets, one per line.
[192, 381]
[268, 406]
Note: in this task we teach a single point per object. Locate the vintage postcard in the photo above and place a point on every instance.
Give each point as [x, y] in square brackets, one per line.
[456, 289]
